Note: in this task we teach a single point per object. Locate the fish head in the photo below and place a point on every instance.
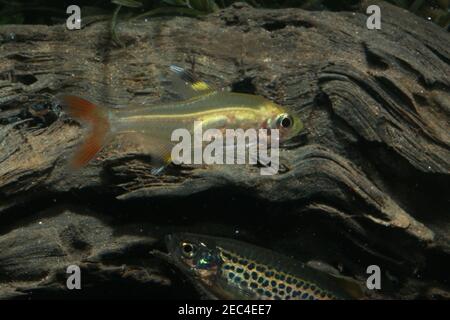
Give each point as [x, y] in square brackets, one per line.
[287, 123]
[194, 254]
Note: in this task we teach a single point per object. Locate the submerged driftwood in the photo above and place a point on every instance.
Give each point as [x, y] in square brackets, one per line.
[368, 183]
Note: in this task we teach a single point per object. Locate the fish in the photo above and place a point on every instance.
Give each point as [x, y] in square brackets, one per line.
[222, 268]
[153, 124]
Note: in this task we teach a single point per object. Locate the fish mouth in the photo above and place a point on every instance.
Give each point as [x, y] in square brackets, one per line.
[174, 255]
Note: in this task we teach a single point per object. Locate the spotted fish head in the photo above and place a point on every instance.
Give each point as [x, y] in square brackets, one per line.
[195, 255]
[230, 269]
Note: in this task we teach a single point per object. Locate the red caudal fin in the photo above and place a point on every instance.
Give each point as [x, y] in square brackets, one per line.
[93, 116]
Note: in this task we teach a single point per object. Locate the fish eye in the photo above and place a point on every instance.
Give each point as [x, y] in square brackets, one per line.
[187, 249]
[285, 121]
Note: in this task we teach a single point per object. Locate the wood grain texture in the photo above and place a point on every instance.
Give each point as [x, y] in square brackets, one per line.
[368, 183]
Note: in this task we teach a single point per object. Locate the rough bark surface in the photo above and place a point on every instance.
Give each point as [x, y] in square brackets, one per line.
[368, 184]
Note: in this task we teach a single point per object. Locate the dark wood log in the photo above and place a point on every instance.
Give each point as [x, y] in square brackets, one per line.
[368, 183]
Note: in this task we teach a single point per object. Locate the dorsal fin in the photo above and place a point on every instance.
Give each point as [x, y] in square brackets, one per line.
[187, 84]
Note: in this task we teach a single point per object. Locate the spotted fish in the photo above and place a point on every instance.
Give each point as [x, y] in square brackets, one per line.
[229, 269]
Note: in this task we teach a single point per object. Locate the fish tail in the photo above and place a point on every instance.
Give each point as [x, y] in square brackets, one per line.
[96, 118]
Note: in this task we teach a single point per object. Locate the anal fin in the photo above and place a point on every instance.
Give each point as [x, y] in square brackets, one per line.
[158, 149]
